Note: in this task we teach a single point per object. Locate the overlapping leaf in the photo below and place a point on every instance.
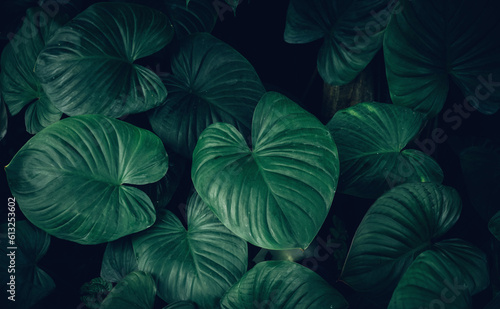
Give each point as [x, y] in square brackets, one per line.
[211, 82]
[353, 33]
[401, 224]
[119, 260]
[88, 65]
[277, 194]
[73, 178]
[20, 86]
[136, 291]
[432, 42]
[371, 138]
[448, 275]
[198, 263]
[282, 284]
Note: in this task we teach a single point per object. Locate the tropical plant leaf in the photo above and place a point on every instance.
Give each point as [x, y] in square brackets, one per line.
[401, 224]
[198, 263]
[371, 138]
[481, 169]
[136, 291]
[119, 260]
[277, 194]
[211, 82]
[282, 284]
[29, 245]
[73, 179]
[102, 43]
[451, 41]
[445, 276]
[352, 30]
[19, 84]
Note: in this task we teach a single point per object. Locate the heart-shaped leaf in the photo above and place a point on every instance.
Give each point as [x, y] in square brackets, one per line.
[371, 138]
[444, 277]
[19, 84]
[282, 284]
[398, 226]
[481, 169]
[211, 82]
[277, 194]
[23, 246]
[353, 33]
[197, 264]
[119, 260]
[431, 42]
[88, 65]
[73, 178]
[136, 291]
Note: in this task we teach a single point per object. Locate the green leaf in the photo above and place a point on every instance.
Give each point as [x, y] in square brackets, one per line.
[20, 86]
[119, 260]
[102, 43]
[181, 305]
[233, 4]
[433, 42]
[481, 169]
[136, 291]
[211, 82]
[494, 225]
[401, 224]
[198, 263]
[31, 282]
[353, 33]
[445, 276]
[371, 138]
[277, 194]
[73, 179]
[93, 292]
[282, 284]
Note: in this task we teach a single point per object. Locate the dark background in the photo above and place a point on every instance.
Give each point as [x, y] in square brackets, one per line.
[257, 33]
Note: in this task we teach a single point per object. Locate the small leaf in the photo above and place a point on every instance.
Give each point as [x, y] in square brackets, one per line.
[73, 179]
[282, 284]
[401, 224]
[119, 260]
[371, 138]
[277, 194]
[198, 264]
[136, 291]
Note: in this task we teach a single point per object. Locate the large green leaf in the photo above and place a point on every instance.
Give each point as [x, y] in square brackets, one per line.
[432, 42]
[398, 226]
[481, 169]
[136, 291]
[73, 179]
[211, 82]
[198, 263]
[24, 245]
[444, 277]
[371, 138]
[88, 65]
[277, 194]
[353, 33]
[119, 260]
[19, 84]
[282, 284]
